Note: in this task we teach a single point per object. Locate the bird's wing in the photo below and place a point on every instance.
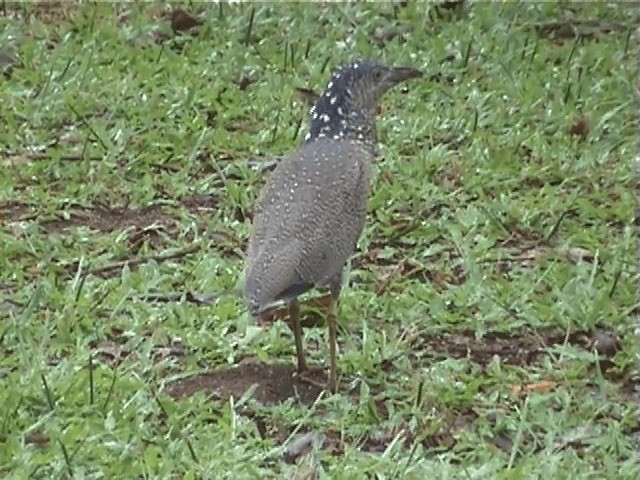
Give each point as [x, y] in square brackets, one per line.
[301, 210]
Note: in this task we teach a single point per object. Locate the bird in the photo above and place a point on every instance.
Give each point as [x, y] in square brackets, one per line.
[312, 209]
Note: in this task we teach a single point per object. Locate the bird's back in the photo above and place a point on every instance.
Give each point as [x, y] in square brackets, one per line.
[313, 208]
[308, 220]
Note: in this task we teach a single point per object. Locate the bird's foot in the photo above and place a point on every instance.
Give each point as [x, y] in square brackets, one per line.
[307, 374]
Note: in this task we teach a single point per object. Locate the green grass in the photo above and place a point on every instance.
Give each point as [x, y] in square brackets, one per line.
[116, 145]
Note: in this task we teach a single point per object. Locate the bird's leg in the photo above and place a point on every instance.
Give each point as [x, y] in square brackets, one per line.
[304, 372]
[294, 316]
[332, 382]
[332, 319]
[332, 322]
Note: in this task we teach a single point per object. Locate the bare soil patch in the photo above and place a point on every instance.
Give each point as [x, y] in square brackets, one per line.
[274, 383]
[519, 348]
[526, 347]
[198, 204]
[49, 12]
[15, 211]
[108, 219]
[312, 312]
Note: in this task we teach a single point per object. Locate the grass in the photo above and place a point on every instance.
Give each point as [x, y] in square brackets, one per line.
[499, 248]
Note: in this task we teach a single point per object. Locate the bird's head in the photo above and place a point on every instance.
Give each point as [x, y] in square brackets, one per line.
[348, 105]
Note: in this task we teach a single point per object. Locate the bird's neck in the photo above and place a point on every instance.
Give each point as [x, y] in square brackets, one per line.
[342, 121]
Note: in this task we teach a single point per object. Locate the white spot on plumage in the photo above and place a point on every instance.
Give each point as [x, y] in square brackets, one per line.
[325, 118]
[333, 100]
[329, 85]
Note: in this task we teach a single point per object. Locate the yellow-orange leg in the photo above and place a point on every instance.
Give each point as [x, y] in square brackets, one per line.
[303, 370]
[332, 320]
[294, 316]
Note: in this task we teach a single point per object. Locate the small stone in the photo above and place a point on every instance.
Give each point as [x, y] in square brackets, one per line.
[301, 445]
[606, 343]
[181, 21]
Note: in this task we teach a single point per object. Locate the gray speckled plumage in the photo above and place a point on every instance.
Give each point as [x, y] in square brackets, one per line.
[313, 208]
[308, 221]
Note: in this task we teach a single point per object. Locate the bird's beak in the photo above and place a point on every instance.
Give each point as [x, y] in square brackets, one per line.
[400, 74]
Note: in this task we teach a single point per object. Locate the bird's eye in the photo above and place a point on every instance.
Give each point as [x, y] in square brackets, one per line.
[377, 74]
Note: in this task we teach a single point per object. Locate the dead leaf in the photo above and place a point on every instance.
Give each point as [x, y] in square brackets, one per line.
[244, 83]
[382, 35]
[301, 445]
[307, 95]
[36, 439]
[181, 21]
[564, 30]
[306, 473]
[606, 343]
[579, 255]
[580, 128]
[529, 388]
[8, 61]
[452, 4]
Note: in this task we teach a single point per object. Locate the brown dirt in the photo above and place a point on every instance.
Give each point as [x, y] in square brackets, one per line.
[109, 219]
[15, 211]
[150, 224]
[311, 314]
[112, 349]
[515, 349]
[200, 203]
[48, 12]
[105, 218]
[561, 31]
[525, 348]
[275, 383]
